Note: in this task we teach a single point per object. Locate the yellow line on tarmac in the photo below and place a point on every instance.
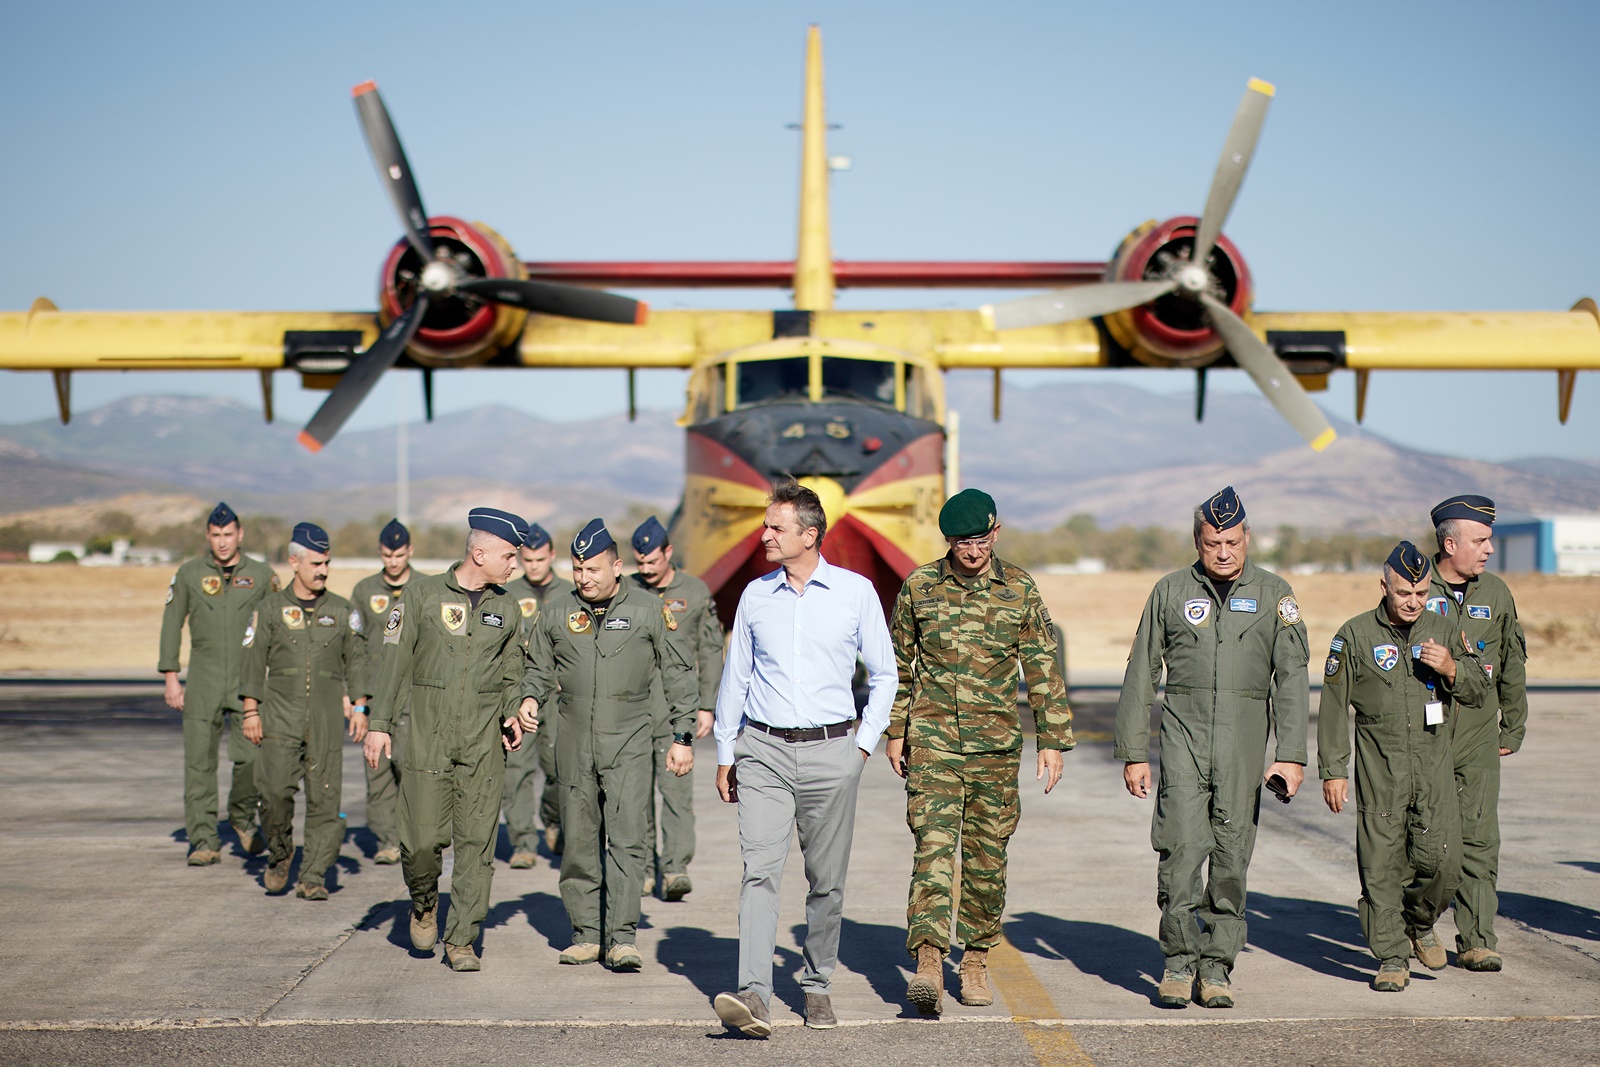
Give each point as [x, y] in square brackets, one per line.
[1052, 1046]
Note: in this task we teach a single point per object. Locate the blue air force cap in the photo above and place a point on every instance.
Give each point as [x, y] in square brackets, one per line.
[650, 536]
[1223, 511]
[1408, 562]
[537, 537]
[394, 535]
[502, 524]
[221, 515]
[1465, 506]
[592, 540]
[310, 535]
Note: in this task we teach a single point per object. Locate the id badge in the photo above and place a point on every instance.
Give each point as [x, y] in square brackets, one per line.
[1433, 713]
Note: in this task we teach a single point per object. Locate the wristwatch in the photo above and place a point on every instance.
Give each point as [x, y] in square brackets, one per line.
[685, 738]
[362, 708]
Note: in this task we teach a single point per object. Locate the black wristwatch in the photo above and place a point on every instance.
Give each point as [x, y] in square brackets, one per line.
[685, 738]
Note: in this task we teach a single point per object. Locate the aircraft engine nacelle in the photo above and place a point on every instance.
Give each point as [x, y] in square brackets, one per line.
[458, 330]
[1172, 331]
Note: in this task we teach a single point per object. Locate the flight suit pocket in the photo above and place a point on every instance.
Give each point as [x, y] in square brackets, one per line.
[1425, 846]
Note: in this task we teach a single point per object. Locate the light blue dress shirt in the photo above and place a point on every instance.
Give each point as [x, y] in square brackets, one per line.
[792, 655]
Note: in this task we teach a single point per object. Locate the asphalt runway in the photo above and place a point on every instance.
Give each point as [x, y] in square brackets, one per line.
[118, 953]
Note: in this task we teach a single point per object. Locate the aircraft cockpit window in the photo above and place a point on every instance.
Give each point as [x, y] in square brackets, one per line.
[861, 379]
[771, 379]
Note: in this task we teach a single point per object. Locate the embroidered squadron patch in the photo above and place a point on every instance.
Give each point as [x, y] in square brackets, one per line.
[668, 617]
[1479, 611]
[355, 621]
[294, 618]
[1385, 656]
[275, 584]
[378, 602]
[678, 605]
[211, 585]
[1007, 594]
[1242, 603]
[391, 628]
[615, 622]
[250, 631]
[244, 581]
[1289, 611]
[454, 616]
[1044, 614]
[529, 606]
[1331, 667]
[579, 622]
[1439, 605]
[171, 590]
[1488, 669]
[1197, 611]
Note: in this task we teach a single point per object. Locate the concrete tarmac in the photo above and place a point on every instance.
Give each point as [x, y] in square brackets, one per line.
[120, 953]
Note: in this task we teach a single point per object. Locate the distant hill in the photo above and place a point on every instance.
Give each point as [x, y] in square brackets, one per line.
[1114, 451]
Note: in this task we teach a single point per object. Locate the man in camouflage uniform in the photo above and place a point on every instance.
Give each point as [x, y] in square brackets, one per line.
[536, 585]
[303, 682]
[1395, 667]
[961, 626]
[1235, 652]
[372, 597]
[605, 645]
[455, 660]
[216, 595]
[694, 627]
[1479, 604]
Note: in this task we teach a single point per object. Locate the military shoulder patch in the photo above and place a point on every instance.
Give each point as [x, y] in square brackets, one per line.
[1331, 667]
[355, 620]
[250, 631]
[1289, 611]
[668, 617]
[391, 628]
[172, 588]
[275, 584]
[1479, 611]
[1337, 646]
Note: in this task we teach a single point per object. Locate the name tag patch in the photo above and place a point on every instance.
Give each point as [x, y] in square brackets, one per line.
[1479, 611]
[244, 582]
[327, 620]
[678, 605]
[619, 624]
[1240, 603]
[491, 619]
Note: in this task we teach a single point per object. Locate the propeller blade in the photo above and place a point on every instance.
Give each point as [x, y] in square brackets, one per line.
[551, 298]
[362, 375]
[1081, 302]
[393, 170]
[1236, 153]
[1276, 382]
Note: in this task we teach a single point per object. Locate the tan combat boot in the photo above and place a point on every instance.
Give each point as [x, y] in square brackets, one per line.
[276, 877]
[1426, 947]
[926, 988]
[1480, 959]
[424, 928]
[975, 991]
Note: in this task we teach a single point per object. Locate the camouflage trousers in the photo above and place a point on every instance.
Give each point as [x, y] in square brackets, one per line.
[971, 798]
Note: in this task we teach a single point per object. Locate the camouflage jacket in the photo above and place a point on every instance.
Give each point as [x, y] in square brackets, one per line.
[958, 642]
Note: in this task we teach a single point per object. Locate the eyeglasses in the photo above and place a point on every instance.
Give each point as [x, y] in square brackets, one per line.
[974, 542]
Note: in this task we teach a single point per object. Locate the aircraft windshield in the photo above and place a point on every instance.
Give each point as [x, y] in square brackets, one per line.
[862, 379]
[770, 379]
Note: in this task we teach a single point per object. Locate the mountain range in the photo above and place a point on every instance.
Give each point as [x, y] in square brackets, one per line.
[1117, 452]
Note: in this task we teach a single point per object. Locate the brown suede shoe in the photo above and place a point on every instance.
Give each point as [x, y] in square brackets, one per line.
[975, 991]
[743, 1012]
[926, 988]
[819, 1012]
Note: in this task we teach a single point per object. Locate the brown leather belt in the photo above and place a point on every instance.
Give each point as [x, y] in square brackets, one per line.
[807, 733]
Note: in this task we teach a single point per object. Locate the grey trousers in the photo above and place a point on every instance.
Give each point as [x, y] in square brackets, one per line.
[783, 787]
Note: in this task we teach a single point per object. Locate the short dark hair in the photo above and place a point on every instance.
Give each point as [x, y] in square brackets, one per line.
[807, 505]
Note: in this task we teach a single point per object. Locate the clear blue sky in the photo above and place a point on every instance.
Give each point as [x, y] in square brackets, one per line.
[1418, 156]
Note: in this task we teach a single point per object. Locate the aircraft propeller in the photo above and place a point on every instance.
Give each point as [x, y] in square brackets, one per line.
[1192, 279]
[440, 277]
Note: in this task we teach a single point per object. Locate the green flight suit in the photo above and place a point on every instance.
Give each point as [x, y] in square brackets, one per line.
[605, 665]
[217, 606]
[372, 597]
[522, 799]
[456, 669]
[1408, 823]
[958, 642]
[1488, 615]
[299, 664]
[697, 632]
[1234, 667]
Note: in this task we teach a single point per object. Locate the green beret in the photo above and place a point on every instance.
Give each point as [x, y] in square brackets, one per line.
[970, 513]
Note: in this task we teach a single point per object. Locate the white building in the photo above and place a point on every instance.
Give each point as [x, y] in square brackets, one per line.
[1555, 544]
[47, 551]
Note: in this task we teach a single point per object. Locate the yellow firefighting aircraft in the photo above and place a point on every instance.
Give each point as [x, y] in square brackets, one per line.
[852, 403]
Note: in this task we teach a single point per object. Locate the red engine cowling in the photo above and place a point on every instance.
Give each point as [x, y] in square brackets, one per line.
[457, 330]
[1172, 331]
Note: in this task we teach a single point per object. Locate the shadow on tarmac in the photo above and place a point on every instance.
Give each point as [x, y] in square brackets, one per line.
[1116, 956]
[710, 963]
[1313, 933]
[876, 952]
[1553, 916]
[542, 911]
[1592, 866]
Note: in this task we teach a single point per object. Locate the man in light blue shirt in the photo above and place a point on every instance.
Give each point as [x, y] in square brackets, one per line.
[784, 752]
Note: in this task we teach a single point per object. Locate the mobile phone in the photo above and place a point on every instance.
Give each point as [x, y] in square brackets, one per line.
[1279, 788]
